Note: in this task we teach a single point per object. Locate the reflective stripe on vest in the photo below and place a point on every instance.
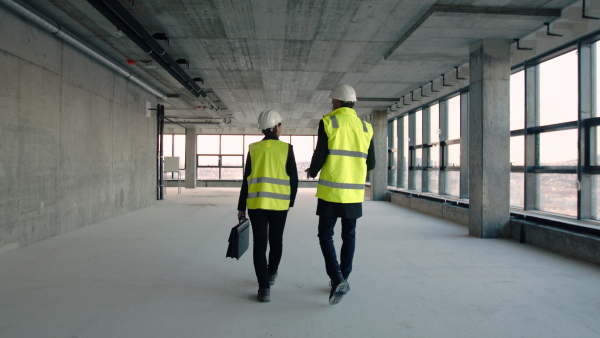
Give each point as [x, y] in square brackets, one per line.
[268, 183]
[342, 178]
[269, 195]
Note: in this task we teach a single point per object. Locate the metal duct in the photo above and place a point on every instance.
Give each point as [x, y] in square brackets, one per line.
[124, 21]
[55, 29]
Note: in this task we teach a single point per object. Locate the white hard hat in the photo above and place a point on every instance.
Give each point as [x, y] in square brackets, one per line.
[268, 119]
[343, 92]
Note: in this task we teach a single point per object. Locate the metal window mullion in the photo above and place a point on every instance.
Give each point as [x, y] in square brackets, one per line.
[464, 145]
[426, 138]
[402, 146]
[593, 136]
[532, 114]
[413, 154]
[391, 160]
[587, 72]
[219, 155]
[443, 148]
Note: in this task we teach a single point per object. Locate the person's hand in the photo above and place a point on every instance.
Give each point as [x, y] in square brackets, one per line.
[307, 171]
[241, 215]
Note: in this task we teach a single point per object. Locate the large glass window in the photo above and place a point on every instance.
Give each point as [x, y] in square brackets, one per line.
[433, 158]
[517, 100]
[559, 89]
[452, 185]
[174, 146]
[517, 151]
[418, 127]
[558, 148]
[405, 158]
[223, 157]
[452, 149]
[517, 189]
[220, 157]
[558, 193]
[304, 146]
[232, 151]
[454, 118]
[517, 143]
[545, 137]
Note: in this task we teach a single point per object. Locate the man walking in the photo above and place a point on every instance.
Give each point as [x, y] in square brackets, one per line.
[268, 190]
[344, 154]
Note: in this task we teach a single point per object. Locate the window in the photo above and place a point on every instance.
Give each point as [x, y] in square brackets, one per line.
[174, 145]
[232, 152]
[554, 137]
[208, 148]
[454, 118]
[558, 89]
[517, 141]
[223, 157]
[558, 193]
[452, 146]
[433, 149]
[220, 157]
[392, 139]
[405, 152]
[517, 100]
[304, 146]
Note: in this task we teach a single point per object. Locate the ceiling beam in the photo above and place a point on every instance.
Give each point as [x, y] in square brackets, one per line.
[504, 11]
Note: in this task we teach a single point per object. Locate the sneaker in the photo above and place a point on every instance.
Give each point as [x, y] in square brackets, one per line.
[264, 295]
[272, 279]
[339, 287]
[347, 289]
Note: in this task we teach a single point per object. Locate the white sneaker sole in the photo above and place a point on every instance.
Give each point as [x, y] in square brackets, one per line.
[339, 293]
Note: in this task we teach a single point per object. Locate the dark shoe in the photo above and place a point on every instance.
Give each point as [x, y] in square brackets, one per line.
[348, 289]
[264, 295]
[339, 287]
[272, 279]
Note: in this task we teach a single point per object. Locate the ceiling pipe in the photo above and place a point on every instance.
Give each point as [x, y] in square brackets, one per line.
[124, 21]
[58, 31]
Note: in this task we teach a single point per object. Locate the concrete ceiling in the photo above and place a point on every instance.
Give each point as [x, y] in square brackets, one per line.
[287, 55]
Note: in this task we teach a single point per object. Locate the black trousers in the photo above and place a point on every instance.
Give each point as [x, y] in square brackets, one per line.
[326, 226]
[267, 228]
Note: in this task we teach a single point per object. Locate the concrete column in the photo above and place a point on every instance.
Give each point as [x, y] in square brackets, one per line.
[489, 142]
[190, 157]
[379, 175]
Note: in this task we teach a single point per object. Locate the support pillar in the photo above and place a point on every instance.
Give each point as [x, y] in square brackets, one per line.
[379, 175]
[489, 141]
[190, 157]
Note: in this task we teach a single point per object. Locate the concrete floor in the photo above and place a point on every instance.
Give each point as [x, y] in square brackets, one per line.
[162, 272]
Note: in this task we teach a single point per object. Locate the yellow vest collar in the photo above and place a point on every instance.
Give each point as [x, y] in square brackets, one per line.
[342, 111]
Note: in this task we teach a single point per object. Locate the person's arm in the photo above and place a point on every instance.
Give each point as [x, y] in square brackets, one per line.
[321, 152]
[371, 157]
[292, 171]
[244, 191]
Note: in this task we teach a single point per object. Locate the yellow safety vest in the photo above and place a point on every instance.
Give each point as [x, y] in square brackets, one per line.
[344, 173]
[268, 183]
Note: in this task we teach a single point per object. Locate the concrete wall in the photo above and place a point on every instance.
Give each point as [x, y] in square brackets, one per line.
[76, 147]
[580, 246]
[446, 211]
[563, 242]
